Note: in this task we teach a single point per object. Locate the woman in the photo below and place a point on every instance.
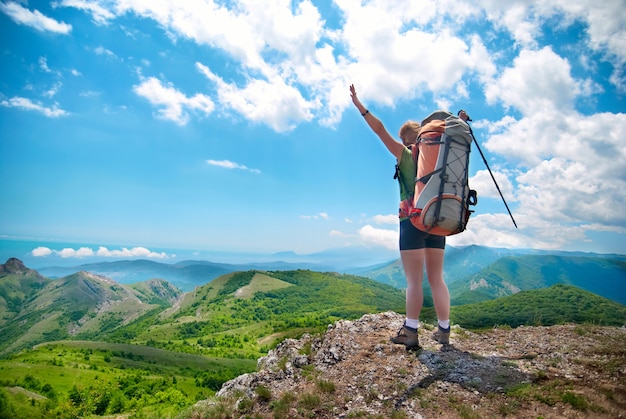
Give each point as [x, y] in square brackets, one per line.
[418, 250]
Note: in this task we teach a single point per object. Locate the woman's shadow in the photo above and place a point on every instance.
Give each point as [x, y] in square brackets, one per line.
[485, 374]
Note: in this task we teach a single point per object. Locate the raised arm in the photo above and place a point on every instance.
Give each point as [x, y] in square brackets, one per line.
[395, 147]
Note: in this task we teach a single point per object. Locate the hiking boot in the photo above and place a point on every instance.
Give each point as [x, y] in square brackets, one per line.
[442, 335]
[406, 336]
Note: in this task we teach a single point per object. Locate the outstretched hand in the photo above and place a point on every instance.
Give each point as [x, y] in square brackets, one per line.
[395, 147]
[355, 99]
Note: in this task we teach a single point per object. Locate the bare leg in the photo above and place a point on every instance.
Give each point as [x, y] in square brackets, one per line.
[413, 262]
[434, 271]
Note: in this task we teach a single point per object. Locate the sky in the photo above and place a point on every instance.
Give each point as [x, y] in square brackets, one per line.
[228, 125]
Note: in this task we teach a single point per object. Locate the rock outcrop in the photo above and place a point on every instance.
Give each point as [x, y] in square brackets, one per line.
[353, 370]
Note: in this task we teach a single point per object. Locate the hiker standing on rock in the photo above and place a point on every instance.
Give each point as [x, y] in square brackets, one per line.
[418, 250]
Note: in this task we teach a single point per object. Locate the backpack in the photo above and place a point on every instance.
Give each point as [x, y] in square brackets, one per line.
[442, 196]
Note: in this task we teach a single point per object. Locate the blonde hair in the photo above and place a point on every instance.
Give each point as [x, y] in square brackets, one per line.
[408, 132]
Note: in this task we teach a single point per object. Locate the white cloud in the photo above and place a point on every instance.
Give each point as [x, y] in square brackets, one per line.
[538, 81]
[386, 54]
[379, 236]
[36, 19]
[227, 164]
[41, 251]
[68, 252]
[102, 251]
[43, 64]
[604, 22]
[486, 187]
[53, 90]
[386, 219]
[100, 50]
[272, 102]
[297, 68]
[130, 253]
[570, 164]
[100, 13]
[517, 17]
[603, 25]
[321, 215]
[370, 236]
[535, 232]
[173, 104]
[497, 230]
[29, 105]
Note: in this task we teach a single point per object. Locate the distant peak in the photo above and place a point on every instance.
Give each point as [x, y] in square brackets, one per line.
[13, 266]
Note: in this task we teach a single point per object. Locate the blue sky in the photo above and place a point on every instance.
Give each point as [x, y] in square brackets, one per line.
[228, 125]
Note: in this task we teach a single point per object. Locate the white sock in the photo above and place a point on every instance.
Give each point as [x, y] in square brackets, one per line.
[444, 324]
[412, 323]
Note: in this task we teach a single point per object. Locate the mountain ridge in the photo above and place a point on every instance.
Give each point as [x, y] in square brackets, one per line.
[79, 303]
[463, 265]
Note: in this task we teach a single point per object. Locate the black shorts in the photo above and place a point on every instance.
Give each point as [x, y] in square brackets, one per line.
[412, 238]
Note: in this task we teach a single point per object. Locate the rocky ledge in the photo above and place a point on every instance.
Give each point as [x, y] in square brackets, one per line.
[353, 370]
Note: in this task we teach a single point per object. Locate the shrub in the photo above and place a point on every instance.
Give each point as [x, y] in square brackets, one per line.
[263, 393]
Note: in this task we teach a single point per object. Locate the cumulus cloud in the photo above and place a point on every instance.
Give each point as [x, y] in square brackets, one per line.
[571, 166]
[34, 19]
[129, 253]
[288, 49]
[173, 104]
[483, 182]
[538, 81]
[41, 251]
[386, 219]
[102, 251]
[379, 236]
[272, 102]
[296, 68]
[68, 252]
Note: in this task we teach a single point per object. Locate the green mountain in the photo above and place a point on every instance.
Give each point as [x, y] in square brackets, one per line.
[242, 314]
[185, 275]
[17, 284]
[509, 275]
[269, 304]
[35, 309]
[476, 273]
[556, 304]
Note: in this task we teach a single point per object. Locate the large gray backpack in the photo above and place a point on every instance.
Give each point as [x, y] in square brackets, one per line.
[442, 196]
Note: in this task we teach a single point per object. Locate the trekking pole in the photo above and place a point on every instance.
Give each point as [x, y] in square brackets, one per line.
[493, 178]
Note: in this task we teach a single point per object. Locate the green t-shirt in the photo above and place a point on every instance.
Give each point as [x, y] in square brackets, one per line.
[406, 173]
